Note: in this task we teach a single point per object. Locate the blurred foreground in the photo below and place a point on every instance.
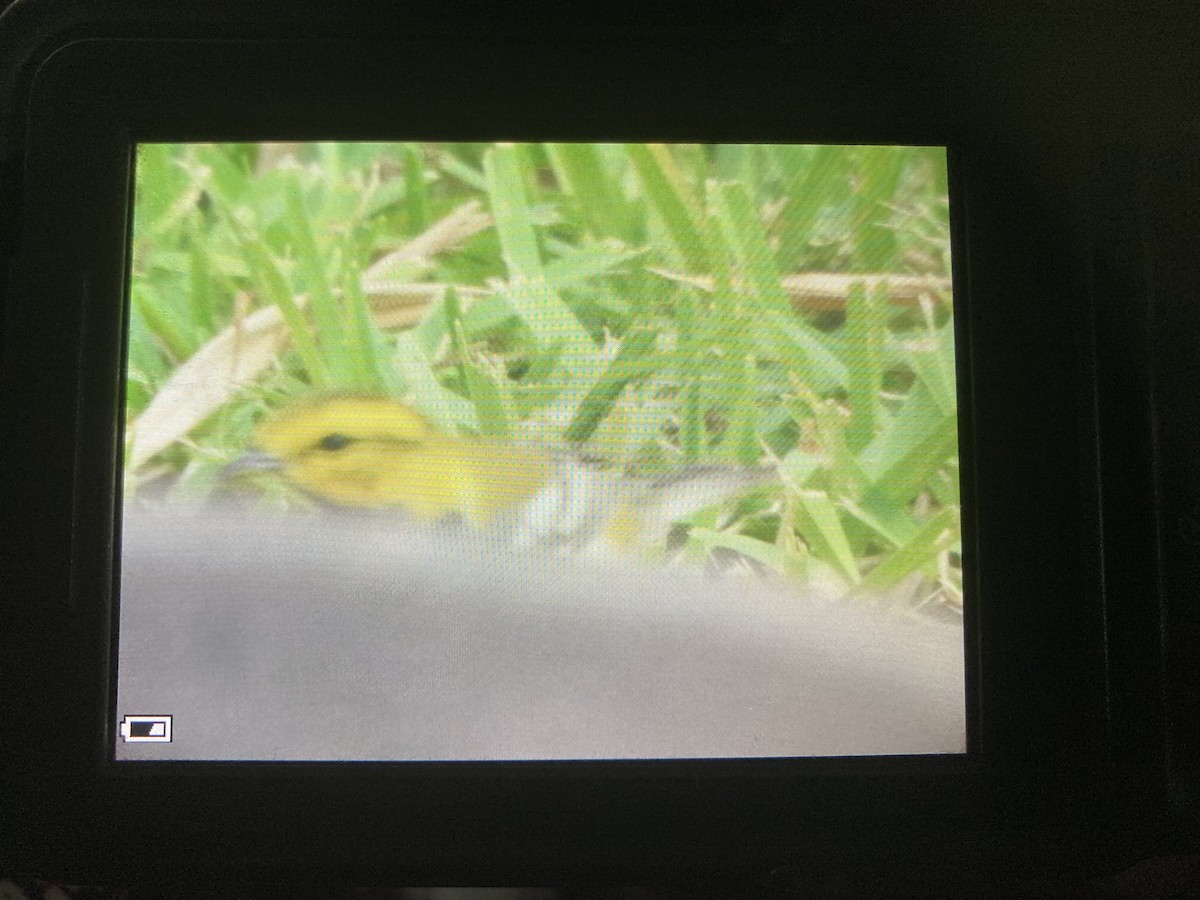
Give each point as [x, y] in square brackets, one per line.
[294, 638]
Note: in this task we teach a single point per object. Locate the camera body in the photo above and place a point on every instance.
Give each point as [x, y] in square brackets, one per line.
[1070, 179]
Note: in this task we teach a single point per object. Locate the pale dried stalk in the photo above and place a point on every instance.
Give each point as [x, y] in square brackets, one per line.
[213, 374]
[403, 305]
[823, 291]
[447, 233]
[240, 353]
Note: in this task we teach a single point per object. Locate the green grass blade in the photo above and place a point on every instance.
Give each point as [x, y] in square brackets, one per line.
[374, 371]
[840, 467]
[691, 364]
[633, 359]
[811, 187]
[945, 484]
[527, 292]
[664, 185]
[416, 193]
[276, 289]
[578, 265]
[160, 319]
[804, 350]
[818, 522]
[746, 238]
[936, 536]
[934, 367]
[708, 539]
[458, 169]
[879, 174]
[201, 290]
[735, 364]
[866, 339]
[918, 441]
[511, 211]
[491, 411]
[165, 194]
[344, 365]
[889, 521]
[486, 315]
[445, 408]
[598, 197]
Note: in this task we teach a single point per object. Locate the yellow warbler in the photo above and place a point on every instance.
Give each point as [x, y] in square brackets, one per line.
[378, 453]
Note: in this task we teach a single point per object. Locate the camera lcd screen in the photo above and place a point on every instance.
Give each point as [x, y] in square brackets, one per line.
[515, 451]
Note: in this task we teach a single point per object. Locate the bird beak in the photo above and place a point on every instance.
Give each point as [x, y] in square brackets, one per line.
[251, 462]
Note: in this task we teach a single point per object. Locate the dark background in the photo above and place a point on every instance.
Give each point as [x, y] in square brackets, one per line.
[1092, 109]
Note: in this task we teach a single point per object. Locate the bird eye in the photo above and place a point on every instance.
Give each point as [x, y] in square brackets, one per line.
[335, 442]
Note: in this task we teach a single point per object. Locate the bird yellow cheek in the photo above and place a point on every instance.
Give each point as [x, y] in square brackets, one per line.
[338, 481]
[430, 486]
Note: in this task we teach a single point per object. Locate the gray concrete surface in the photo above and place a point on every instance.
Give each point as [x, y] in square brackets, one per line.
[298, 639]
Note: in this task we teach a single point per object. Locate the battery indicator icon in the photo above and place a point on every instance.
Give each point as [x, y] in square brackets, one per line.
[146, 729]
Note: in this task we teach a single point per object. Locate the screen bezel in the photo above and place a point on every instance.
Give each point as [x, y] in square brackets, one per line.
[1031, 756]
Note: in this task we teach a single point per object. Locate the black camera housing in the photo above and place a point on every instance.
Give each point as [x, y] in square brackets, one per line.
[1073, 146]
